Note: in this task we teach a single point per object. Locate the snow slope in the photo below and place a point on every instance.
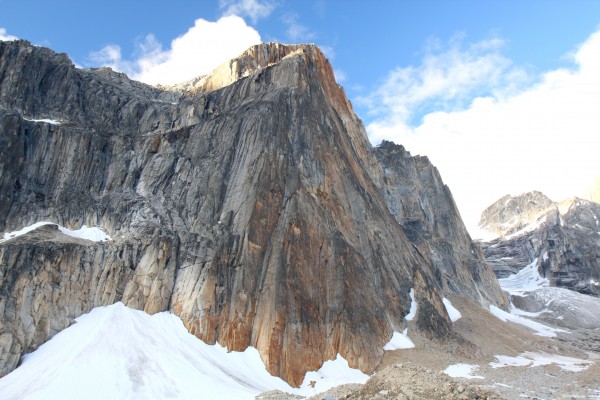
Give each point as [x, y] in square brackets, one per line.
[115, 352]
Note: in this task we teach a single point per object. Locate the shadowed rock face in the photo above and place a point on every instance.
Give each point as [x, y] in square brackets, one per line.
[251, 205]
[425, 208]
[563, 238]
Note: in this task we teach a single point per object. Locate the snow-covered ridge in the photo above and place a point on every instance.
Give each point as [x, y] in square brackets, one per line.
[95, 234]
[116, 352]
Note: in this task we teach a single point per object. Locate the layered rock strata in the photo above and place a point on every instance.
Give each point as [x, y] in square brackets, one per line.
[249, 204]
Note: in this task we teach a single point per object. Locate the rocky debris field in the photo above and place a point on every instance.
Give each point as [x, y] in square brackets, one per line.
[409, 381]
[400, 381]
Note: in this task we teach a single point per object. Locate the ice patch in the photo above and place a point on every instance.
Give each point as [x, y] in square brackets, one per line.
[526, 280]
[332, 373]
[95, 234]
[453, 313]
[531, 359]
[540, 329]
[46, 121]
[399, 341]
[462, 371]
[115, 352]
[413, 306]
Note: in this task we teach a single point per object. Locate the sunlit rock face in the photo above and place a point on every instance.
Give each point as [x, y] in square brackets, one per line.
[248, 202]
[562, 238]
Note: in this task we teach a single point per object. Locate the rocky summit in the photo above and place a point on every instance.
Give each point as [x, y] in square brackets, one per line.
[560, 239]
[248, 202]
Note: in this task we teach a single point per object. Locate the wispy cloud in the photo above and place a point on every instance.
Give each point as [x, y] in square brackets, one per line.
[191, 54]
[253, 9]
[447, 79]
[5, 36]
[490, 127]
[296, 32]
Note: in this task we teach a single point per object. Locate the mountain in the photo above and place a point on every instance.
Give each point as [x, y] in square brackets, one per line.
[561, 240]
[247, 202]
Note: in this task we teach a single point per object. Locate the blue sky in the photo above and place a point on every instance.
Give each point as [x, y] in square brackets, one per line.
[499, 94]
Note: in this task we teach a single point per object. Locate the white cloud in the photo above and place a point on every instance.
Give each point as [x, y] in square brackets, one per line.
[253, 9]
[328, 51]
[340, 75]
[297, 32]
[5, 36]
[202, 48]
[498, 131]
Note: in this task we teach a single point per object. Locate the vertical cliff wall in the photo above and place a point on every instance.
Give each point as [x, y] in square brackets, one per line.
[250, 204]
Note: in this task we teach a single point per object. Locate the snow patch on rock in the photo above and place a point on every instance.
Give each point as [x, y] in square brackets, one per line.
[532, 359]
[539, 329]
[413, 306]
[399, 341]
[46, 121]
[462, 371]
[95, 234]
[453, 313]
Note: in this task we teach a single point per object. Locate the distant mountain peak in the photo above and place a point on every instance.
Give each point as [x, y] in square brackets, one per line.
[561, 239]
[511, 213]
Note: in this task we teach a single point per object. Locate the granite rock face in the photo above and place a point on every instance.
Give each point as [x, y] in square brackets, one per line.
[247, 202]
[423, 205]
[563, 239]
